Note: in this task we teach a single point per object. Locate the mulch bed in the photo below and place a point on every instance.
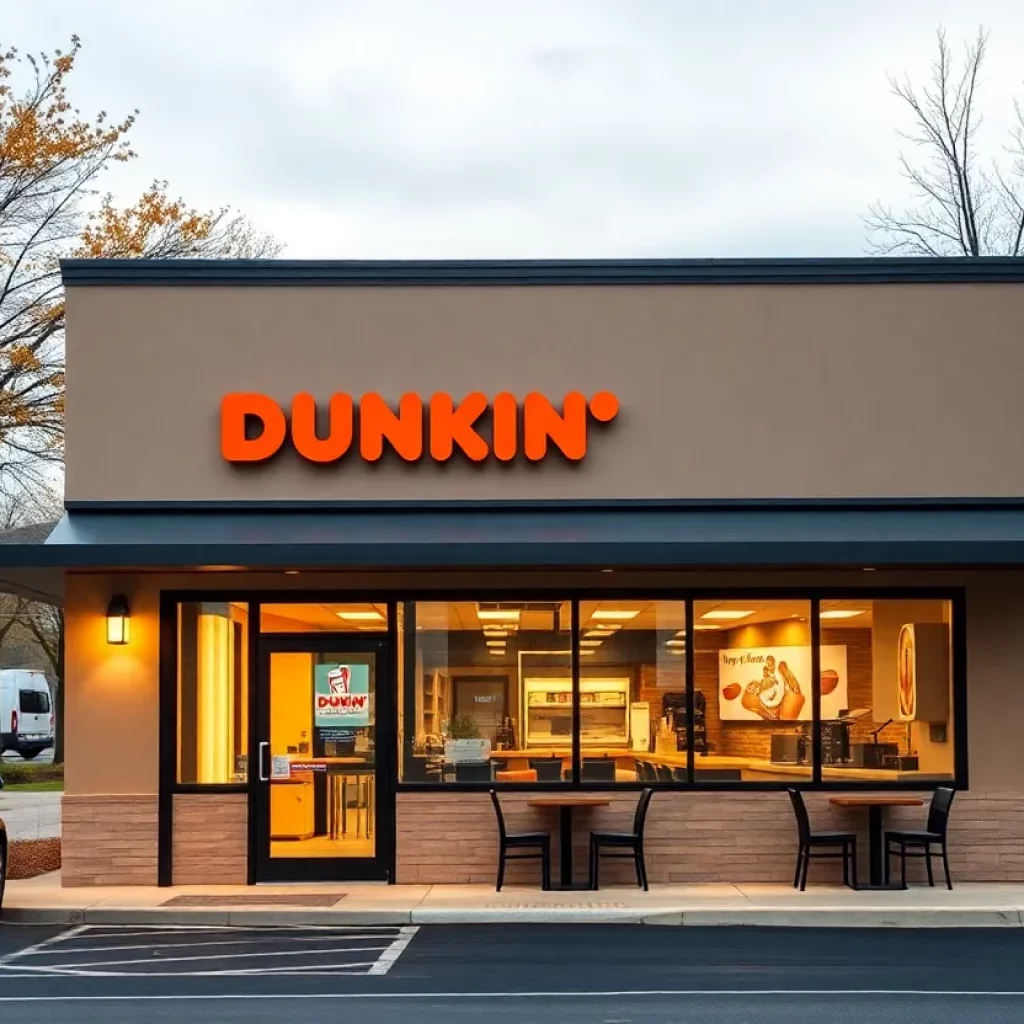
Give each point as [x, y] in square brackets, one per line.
[30, 857]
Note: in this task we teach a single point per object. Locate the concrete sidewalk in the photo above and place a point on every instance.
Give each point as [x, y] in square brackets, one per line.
[42, 900]
[30, 815]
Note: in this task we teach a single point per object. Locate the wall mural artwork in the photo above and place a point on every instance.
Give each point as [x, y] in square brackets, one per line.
[773, 684]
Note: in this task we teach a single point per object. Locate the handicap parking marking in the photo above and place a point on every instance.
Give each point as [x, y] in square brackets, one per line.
[98, 951]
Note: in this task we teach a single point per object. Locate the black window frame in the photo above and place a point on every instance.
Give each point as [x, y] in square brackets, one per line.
[404, 674]
[956, 596]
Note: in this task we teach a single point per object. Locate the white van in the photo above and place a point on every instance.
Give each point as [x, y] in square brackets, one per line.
[26, 716]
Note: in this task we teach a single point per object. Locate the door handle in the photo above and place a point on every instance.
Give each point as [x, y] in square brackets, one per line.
[264, 771]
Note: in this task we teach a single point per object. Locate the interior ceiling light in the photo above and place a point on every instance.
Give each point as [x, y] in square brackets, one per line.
[495, 632]
[612, 614]
[843, 613]
[498, 614]
[698, 627]
[675, 650]
[600, 632]
[498, 650]
[588, 650]
[590, 643]
[675, 643]
[726, 613]
[361, 616]
[495, 643]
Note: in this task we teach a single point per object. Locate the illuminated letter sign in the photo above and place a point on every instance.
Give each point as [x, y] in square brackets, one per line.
[254, 427]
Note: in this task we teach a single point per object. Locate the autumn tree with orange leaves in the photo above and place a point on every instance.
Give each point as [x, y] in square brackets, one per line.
[51, 160]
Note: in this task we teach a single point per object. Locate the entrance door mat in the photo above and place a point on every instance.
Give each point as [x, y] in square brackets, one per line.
[284, 900]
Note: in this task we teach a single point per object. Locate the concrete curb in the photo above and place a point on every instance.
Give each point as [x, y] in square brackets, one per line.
[705, 917]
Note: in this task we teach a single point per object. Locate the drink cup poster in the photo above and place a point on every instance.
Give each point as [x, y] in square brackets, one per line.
[341, 696]
[773, 684]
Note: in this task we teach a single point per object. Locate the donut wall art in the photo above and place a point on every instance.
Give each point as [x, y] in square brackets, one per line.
[773, 684]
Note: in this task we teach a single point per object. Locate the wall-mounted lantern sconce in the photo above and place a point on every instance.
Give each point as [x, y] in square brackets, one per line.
[117, 620]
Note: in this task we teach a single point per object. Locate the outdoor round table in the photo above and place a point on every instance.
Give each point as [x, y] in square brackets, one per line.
[565, 805]
[875, 804]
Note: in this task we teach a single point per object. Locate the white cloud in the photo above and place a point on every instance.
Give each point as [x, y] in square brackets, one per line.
[474, 128]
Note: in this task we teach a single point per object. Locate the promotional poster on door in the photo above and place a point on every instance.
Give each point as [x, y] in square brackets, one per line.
[341, 696]
[773, 684]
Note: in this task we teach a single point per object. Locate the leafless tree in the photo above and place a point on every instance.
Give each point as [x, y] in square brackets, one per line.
[964, 203]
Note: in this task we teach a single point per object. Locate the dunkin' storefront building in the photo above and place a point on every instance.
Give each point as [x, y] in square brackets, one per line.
[347, 545]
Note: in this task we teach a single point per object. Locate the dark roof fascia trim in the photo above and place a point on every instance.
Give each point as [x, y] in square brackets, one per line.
[440, 556]
[548, 504]
[858, 270]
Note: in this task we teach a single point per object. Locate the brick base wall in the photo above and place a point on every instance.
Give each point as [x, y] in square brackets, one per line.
[210, 839]
[109, 840]
[451, 838]
[692, 837]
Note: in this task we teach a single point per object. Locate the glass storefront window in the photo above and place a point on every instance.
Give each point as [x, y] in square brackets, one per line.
[490, 698]
[633, 691]
[895, 721]
[213, 689]
[326, 617]
[752, 674]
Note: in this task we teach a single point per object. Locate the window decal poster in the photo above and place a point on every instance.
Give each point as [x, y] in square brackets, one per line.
[341, 696]
[773, 684]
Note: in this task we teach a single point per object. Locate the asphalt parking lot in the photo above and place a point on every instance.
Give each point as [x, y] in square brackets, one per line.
[621, 974]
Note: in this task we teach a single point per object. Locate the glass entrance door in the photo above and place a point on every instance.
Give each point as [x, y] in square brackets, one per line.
[324, 794]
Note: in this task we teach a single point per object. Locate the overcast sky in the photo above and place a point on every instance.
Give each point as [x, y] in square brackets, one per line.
[523, 128]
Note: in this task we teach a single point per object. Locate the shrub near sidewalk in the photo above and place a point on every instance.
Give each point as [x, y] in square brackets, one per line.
[19, 774]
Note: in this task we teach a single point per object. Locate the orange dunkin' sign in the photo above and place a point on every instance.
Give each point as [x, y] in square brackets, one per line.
[419, 429]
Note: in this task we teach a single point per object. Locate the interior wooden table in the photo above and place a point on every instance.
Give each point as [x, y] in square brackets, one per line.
[565, 805]
[875, 804]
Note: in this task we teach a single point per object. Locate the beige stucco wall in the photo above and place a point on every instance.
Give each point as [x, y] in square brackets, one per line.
[112, 692]
[726, 392]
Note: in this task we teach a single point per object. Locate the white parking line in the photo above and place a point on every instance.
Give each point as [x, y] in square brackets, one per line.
[387, 959]
[328, 952]
[219, 956]
[64, 951]
[462, 995]
[40, 947]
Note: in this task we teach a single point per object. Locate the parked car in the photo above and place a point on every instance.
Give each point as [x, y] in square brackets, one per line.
[26, 714]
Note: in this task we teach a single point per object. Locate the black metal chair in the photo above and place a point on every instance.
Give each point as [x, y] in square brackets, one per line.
[473, 771]
[548, 769]
[527, 841]
[901, 842]
[499, 764]
[630, 843]
[824, 841]
[598, 769]
[641, 771]
[662, 773]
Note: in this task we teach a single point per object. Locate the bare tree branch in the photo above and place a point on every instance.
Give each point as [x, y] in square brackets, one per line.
[962, 205]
